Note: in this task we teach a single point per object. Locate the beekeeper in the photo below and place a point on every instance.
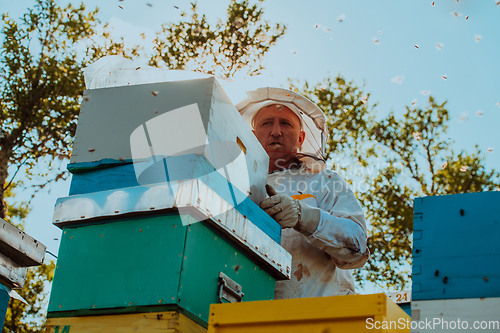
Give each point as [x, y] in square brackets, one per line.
[323, 224]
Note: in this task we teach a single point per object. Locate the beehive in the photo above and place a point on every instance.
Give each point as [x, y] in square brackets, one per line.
[455, 254]
[149, 228]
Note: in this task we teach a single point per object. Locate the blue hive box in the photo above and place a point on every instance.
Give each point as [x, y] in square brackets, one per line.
[455, 250]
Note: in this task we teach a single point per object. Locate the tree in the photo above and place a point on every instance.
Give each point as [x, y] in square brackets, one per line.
[402, 158]
[420, 162]
[41, 85]
[347, 112]
[237, 44]
[20, 317]
[30, 318]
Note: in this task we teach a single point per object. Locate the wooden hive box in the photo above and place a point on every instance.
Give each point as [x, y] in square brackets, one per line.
[164, 322]
[352, 313]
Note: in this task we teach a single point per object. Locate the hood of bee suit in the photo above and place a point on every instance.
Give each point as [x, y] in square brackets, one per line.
[312, 119]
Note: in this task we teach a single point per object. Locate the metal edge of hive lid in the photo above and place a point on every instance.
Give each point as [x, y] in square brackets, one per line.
[19, 246]
[11, 272]
[191, 197]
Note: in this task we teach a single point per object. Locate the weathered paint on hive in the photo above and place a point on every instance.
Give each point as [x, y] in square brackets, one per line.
[186, 167]
[192, 196]
[19, 246]
[119, 264]
[153, 261]
[110, 116]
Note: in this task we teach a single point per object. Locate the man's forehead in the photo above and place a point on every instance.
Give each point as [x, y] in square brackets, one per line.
[276, 111]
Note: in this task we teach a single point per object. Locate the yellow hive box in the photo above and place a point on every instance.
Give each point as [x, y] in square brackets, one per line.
[164, 322]
[353, 313]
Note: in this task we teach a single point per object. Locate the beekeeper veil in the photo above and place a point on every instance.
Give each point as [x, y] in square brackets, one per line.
[313, 120]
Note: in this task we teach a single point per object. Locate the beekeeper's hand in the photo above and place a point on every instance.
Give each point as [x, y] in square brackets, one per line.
[290, 213]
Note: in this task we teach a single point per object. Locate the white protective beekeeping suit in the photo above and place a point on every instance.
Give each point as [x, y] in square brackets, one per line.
[321, 258]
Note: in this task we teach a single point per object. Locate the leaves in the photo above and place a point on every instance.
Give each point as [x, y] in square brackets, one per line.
[348, 114]
[401, 158]
[236, 44]
[15, 210]
[30, 318]
[389, 207]
[41, 84]
[415, 150]
[465, 173]
[20, 317]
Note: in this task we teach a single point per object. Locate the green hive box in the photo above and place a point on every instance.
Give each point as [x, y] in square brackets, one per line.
[150, 264]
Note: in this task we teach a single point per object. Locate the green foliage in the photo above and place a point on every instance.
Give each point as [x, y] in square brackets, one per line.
[23, 318]
[465, 173]
[41, 84]
[402, 158]
[39, 107]
[346, 109]
[418, 135]
[237, 44]
[420, 163]
[389, 206]
[102, 45]
[16, 211]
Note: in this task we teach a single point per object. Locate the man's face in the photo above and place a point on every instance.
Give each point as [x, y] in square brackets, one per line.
[278, 130]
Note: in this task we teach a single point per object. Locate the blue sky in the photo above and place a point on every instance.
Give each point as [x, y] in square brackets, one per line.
[468, 57]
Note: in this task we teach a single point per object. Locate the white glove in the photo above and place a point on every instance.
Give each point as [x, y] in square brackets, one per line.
[291, 213]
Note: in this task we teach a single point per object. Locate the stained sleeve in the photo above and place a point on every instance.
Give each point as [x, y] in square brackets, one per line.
[341, 231]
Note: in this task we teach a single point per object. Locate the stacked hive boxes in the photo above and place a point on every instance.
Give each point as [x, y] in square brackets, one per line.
[456, 272]
[160, 217]
[18, 251]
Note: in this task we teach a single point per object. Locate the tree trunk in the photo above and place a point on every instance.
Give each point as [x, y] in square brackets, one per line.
[4, 173]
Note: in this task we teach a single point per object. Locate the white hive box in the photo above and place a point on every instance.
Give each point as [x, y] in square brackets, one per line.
[143, 124]
[452, 315]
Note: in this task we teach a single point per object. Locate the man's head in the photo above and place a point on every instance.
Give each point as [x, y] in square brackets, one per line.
[311, 144]
[279, 131]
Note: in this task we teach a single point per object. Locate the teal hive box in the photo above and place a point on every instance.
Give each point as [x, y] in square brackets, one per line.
[142, 258]
[166, 229]
[150, 264]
